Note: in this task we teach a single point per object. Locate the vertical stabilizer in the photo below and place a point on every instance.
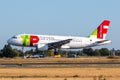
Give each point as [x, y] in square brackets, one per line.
[101, 31]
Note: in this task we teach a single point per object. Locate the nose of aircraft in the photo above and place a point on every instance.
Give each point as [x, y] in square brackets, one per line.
[16, 42]
[9, 41]
[12, 41]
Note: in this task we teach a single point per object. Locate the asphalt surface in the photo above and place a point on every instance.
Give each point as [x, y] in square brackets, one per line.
[63, 64]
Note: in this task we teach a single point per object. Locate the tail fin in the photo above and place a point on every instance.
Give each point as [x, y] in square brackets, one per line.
[101, 31]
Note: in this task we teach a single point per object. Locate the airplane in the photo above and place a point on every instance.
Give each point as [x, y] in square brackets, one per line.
[46, 42]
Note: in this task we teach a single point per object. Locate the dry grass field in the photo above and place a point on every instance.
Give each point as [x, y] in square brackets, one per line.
[81, 59]
[59, 73]
[73, 73]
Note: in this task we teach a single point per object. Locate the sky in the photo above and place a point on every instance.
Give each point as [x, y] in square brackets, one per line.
[59, 17]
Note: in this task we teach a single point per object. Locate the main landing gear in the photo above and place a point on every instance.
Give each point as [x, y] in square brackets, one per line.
[56, 53]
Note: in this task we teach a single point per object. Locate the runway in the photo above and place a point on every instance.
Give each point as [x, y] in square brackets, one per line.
[63, 64]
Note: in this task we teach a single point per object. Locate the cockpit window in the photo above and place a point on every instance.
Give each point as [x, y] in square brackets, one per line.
[14, 37]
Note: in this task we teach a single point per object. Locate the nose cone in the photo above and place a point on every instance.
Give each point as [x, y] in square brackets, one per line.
[10, 41]
[16, 42]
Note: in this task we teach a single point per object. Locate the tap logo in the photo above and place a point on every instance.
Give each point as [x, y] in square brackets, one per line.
[29, 40]
[101, 31]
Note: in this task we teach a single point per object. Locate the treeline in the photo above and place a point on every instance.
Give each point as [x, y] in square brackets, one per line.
[9, 52]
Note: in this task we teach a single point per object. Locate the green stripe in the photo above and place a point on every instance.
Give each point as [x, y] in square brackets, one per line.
[94, 33]
[26, 39]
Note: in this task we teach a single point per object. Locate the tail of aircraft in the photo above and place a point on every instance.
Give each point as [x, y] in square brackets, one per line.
[101, 31]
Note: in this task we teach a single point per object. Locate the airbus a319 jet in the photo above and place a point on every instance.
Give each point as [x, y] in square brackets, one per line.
[46, 42]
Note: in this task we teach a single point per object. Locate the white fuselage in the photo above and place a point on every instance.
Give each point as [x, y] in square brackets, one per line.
[76, 42]
[44, 40]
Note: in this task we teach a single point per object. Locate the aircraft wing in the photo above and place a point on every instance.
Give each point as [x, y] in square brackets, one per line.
[58, 44]
[102, 41]
[98, 43]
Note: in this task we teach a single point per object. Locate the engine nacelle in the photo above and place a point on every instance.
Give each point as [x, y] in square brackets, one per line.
[42, 47]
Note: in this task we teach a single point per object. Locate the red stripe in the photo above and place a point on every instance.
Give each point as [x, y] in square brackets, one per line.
[33, 39]
[105, 31]
[106, 23]
[101, 30]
